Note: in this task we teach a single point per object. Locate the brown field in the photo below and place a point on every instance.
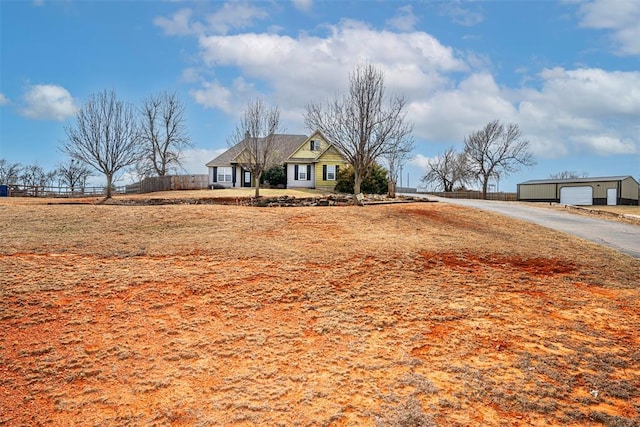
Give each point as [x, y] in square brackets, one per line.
[393, 315]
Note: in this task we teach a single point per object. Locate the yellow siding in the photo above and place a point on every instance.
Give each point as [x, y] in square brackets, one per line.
[305, 153]
[319, 181]
[330, 157]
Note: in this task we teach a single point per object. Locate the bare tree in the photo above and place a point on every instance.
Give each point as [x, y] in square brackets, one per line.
[362, 124]
[105, 136]
[569, 175]
[50, 177]
[33, 176]
[9, 172]
[163, 132]
[397, 156]
[496, 151]
[448, 170]
[256, 132]
[73, 174]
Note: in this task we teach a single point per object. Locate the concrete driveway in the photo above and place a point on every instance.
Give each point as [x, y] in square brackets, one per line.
[617, 235]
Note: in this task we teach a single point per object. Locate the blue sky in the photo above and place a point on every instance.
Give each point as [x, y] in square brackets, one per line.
[568, 72]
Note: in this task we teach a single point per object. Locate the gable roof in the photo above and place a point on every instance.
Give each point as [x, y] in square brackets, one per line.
[315, 158]
[578, 180]
[284, 145]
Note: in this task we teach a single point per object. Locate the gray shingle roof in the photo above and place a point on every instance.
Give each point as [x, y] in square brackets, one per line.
[285, 145]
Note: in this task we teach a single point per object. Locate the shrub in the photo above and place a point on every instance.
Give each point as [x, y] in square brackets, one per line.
[275, 176]
[375, 183]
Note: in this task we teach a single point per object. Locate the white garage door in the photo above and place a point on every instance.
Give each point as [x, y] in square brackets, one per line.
[576, 196]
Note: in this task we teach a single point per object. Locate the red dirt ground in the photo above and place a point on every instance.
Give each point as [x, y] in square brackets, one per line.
[398, 315]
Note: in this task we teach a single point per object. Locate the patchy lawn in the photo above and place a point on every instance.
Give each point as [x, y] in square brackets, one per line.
[415, 314]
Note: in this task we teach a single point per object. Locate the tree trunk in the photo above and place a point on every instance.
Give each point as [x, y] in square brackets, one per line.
[257, 182]
[391, 188]
[485, 185]
[357, 183]
[109, 183]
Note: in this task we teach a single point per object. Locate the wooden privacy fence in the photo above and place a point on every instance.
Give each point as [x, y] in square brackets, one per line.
[505, 197]
[169, 183]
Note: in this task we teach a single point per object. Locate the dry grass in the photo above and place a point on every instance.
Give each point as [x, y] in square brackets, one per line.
[620, 210]
[420, 314]
[627, 214]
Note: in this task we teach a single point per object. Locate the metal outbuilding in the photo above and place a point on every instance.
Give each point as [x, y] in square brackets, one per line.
[610, 190]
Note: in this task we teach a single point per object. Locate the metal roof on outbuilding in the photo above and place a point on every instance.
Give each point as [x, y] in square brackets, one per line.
[578, 180]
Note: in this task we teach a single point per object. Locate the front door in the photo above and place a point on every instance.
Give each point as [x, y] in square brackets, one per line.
[246, 180]
[612, 196]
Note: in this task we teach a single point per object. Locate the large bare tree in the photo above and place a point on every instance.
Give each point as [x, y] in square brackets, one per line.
[73, 174]
[163, 132]
[9, 172]
[448, 171]
[256, 134]
[362, 124]
[495, 151]
[105, 136]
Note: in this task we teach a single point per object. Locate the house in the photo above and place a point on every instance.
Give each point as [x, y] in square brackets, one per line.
[314, 164]
[612, 190]
[309, 162]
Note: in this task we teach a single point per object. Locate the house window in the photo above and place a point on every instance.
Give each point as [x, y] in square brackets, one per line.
[302, 172]
[314, 145]
[331, 172]
[224, 174]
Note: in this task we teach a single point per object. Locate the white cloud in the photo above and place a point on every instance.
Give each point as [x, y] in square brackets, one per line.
[586, 110]
[405, 20]
[303, 68]
[621, 17]
[594, 92]
[461, 15]
[178, 25]
[303, 5]
[3, 99]
[604, 144]
[449, 94]
[230, 100]
[48, 102]
[190, 75]
[347, 43]
[232, 15]
[582, 110]
[451, 114]
[421, 161]
[194, 159]
[213, 95]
